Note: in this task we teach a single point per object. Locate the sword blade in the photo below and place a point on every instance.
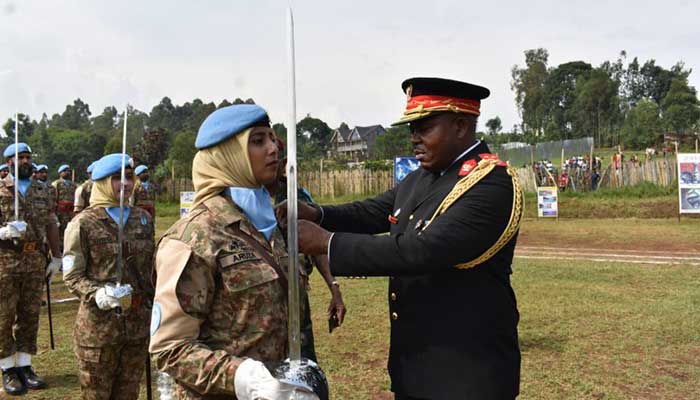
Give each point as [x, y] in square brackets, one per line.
[294, 329]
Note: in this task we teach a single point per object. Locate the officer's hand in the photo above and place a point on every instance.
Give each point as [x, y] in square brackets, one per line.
[253, 381]
[105, 299]
[53, 268]
[313, 240]
[304, 211]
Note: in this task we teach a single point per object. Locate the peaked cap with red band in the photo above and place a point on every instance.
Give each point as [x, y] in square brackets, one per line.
[427, 96]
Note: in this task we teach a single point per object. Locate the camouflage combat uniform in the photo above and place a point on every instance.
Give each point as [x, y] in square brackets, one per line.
[65, 192]
[144, 197]
[23, 267]
[82, 196]
[111, 349]
[220, 297]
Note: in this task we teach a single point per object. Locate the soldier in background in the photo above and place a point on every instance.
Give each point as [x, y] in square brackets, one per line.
[111, 332]
[82, 194]
[23, 270]
[144, 193]
[65, 197]
[42, 173]
[4, 171]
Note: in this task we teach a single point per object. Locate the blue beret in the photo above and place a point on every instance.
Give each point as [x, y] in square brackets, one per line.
[63, 168]
[10, 150]
[4, 167]
[34, 166]
[109, 165]
[140, 169]
[42, 167]
[91, 167]
[227, 122]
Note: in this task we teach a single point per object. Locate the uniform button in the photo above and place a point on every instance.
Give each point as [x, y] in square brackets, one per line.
[393, 297]
[394, 316]
[410, 217]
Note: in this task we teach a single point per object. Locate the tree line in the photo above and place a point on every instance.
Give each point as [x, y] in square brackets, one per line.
[629, 102]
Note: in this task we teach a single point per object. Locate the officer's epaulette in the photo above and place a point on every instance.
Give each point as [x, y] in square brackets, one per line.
[471, 173]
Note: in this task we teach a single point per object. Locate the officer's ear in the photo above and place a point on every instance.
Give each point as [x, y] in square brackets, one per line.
[465, 125]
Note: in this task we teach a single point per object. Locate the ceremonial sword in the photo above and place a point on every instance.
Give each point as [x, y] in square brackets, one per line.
[296, 371]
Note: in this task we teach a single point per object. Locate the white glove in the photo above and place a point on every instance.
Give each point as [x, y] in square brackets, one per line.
[13, 230]
[53, 267]
[254, 382]
[104, 297]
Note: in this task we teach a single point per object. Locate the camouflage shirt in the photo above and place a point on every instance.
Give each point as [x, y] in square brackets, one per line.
[65, 190]
[90, 262]
[218, 300]
[35, 208]
[82, 196]
[144, 197]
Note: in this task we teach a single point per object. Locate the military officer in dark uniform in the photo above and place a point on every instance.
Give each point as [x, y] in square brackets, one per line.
[452, 226]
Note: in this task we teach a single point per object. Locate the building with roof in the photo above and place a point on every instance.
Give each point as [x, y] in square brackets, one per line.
[354, 144]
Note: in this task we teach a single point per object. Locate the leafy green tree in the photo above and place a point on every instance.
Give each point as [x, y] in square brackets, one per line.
[528, 85]
[560, 95]
[76, 148]
[25, 124]
[395, 142]
[643, 126]
[152, 149]
[319, 130]
[105, 124]
[596, 108]
[681, 108]
[182, 153]
[494, 126]
[76, 116]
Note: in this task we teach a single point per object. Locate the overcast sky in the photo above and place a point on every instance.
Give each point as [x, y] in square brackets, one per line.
[351, 55]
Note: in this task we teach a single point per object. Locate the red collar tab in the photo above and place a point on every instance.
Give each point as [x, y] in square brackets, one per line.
[393, 219]
[467, 167]
[489, 156]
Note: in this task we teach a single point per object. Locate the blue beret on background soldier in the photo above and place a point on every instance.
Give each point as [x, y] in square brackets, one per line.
[4, 171]
[452, 227]
[65, 198]
[220, 309]
[23, 269]
[82, 194]
[111, 328]
[42, 173]
[144, 191]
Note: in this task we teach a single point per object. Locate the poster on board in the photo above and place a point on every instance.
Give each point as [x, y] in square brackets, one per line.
[689, 183]
[404, 166]
[547, 202]
[186, 199]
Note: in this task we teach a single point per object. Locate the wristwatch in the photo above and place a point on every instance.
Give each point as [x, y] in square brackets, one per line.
[335, 283]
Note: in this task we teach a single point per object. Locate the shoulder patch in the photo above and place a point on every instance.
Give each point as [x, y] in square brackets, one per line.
[155, 318]
[467, 167]
[489, 156]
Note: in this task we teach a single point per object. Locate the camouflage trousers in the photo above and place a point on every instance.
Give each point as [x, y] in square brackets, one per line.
[111, 372]
[22, 278]
[63, 220]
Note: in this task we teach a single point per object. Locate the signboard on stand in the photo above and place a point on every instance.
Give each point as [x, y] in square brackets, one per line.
[186, 200]
[404, 166]
[547, 206]
[689, 183]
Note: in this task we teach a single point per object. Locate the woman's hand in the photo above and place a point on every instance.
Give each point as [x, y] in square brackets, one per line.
[337, 306]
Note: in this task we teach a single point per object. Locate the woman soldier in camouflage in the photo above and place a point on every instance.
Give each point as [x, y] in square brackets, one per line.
[111, 328]
[220, 308]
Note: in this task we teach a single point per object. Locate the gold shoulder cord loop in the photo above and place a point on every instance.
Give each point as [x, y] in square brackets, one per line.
[484, 168]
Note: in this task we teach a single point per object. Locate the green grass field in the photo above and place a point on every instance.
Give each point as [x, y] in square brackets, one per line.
[587, 330]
